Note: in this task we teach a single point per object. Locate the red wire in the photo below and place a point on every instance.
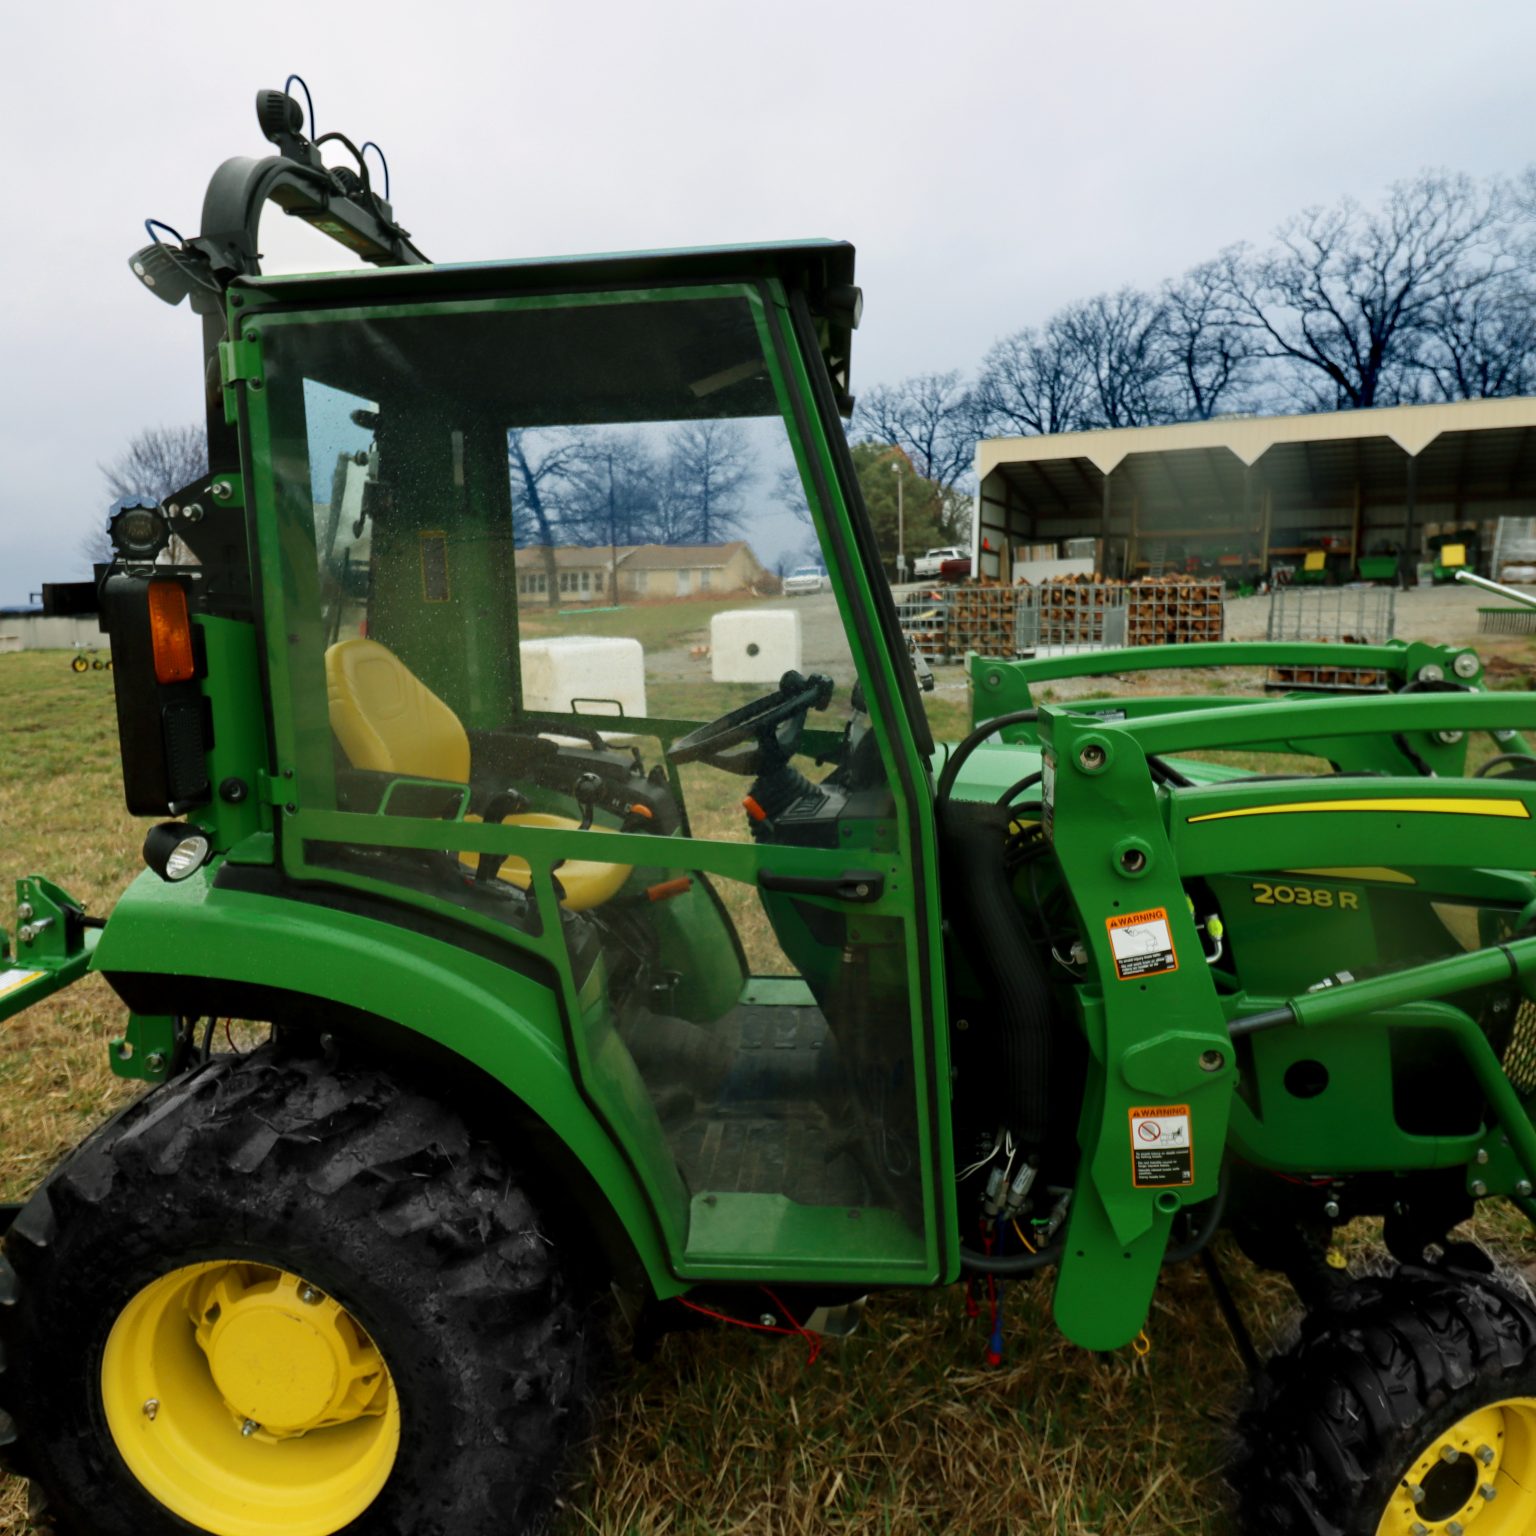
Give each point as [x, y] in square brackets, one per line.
[739, 1322]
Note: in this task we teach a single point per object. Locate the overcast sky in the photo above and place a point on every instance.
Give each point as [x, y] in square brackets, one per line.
[990, 160]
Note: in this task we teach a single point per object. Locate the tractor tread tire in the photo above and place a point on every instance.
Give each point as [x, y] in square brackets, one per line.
[380, 1196]
[1374, 1376]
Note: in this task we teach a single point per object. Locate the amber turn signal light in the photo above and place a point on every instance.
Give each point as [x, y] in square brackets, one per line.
[170, 632]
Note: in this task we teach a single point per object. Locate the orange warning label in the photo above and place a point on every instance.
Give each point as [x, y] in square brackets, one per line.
[1142, 944]
[1162, 1149]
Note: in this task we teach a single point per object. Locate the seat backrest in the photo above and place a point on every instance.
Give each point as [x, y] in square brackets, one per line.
[387, 719]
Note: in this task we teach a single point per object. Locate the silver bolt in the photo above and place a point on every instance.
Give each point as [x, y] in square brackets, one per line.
[249, 1428]
[151, 1408]
[1488, 1493]
[1523, 1188]
[1484, 1454]
[1212, 1061]
[1432, 673]
[26, 933]
[222, 490]
[1482, 1155]
[768, 1320]
[1416, 1493]
[310, 1296]
[1478, 1188]
[24, 912]
[1091, 757]
[155, 1061]
[1449, 1454]
[1331, 1210]
[1465, 664]
[1454, 1528]
[1449, 738]
[192, 512]
[1417, 1529]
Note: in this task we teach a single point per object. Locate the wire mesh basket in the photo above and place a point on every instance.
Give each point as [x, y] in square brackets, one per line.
[1356, 613]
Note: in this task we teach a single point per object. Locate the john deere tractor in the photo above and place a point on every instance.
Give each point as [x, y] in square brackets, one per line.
[608, 922]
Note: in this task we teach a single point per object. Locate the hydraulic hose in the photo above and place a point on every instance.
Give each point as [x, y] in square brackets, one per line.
[957, 758]
[1025, 1263]
[996, 941]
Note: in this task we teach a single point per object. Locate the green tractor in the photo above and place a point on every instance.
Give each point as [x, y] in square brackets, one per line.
[590, 955]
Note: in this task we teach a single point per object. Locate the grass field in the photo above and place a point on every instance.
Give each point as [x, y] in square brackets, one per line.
[899, 1431]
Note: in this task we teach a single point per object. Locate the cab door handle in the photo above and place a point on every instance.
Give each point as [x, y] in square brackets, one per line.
[853, 885]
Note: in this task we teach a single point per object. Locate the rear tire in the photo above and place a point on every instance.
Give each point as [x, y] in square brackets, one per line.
[1380, 1389]
[376, 1196]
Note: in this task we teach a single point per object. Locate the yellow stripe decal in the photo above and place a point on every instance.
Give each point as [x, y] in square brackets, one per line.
[1364, 872]
[1513, 809]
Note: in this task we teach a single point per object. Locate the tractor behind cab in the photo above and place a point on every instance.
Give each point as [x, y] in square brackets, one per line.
[589, 954]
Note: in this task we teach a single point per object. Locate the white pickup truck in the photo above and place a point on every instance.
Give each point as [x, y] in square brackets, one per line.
[933, 562]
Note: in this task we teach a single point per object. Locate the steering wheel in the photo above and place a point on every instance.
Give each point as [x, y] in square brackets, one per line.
[773, 723]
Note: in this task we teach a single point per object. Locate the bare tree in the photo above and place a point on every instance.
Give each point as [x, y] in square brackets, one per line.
[1032, 383]
[1481, 344]
[1345, 296]
[158, 462]
[1209, 358]
[711, 462]
[1119, 339]
[932, 416]
[537, 462]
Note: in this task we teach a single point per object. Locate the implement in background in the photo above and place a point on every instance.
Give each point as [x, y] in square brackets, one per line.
[1354, 615]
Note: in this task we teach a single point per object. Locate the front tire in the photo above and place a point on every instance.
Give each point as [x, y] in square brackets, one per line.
[262, 1200]
[1401, 1409]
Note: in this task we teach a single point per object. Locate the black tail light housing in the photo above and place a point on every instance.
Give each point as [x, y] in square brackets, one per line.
[164, 730]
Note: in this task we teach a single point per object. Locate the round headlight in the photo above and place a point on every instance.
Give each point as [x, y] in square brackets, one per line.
[174, 850]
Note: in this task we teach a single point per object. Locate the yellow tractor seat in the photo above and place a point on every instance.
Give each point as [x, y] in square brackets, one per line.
[388, 721]
[586, 882]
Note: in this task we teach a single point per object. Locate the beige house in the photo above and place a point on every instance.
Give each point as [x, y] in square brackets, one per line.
[584, 574]
[581, 574]
[688, 570]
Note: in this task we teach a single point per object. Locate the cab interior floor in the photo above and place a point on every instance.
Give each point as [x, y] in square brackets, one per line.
[744, 1102]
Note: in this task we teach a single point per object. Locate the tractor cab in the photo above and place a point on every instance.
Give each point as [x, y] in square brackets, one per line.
[531, 692]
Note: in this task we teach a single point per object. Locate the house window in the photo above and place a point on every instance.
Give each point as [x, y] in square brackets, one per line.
[597, 582]
[640, 581]
[565, 581]
[586, 581]
[704, 577]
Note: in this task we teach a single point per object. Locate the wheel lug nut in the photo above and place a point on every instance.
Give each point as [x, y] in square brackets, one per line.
[249, 1428]
[1488, 1492]
[1449, 1454]
[151, 1408]
[1416, 1493]
[1485, 1455]
[310, 1296]
[1418, 1528]
[1454, 1528]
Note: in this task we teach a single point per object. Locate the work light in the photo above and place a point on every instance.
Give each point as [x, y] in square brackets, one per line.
[175, 850]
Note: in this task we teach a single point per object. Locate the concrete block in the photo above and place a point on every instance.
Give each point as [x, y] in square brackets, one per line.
[754, 645]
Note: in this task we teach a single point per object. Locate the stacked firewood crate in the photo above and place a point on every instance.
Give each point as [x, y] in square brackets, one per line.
[981, 618]
[1070, 613]
[1061, 612]
[1171, 610]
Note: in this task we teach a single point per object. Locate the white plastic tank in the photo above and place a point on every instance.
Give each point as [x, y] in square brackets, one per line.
[585, 675]
[754, 645]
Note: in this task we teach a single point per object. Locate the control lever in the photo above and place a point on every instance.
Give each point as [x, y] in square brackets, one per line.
[587, 788]
[504, 803]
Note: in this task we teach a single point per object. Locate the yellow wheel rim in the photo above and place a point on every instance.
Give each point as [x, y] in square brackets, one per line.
[249, 1402]
[1478, 1477]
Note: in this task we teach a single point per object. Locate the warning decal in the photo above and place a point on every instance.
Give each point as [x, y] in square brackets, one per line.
[1162, 1153]
[10, 980]
[1141, 944]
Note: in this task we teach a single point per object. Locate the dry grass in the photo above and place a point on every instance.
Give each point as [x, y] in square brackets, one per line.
[899, 1431]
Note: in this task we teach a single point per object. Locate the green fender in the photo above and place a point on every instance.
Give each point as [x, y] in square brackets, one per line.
[504, 1022]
